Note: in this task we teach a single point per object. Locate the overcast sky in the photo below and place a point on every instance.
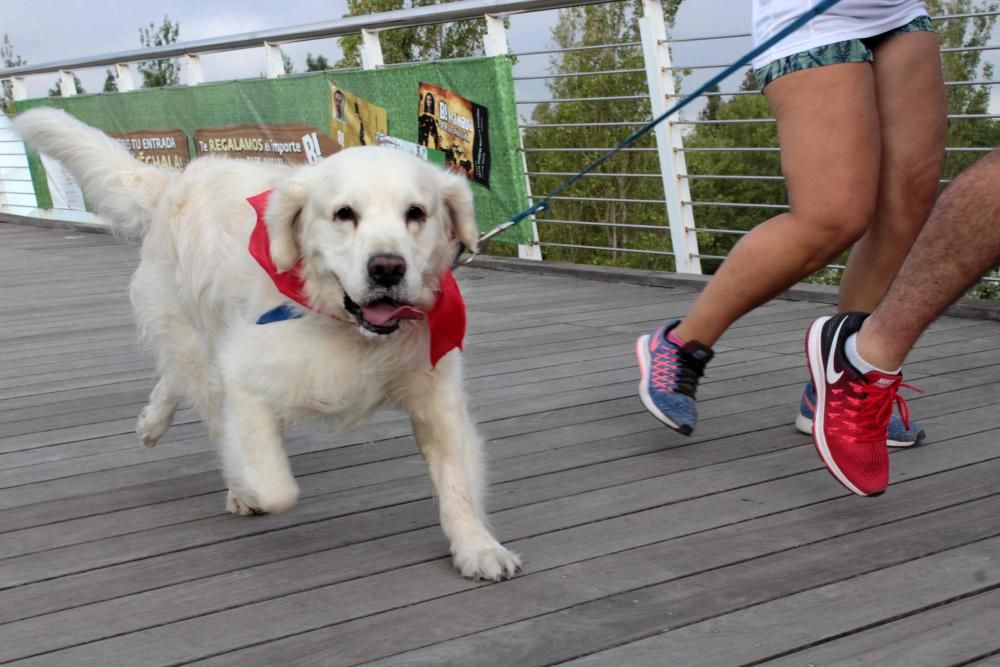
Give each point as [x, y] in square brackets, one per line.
[48, 30]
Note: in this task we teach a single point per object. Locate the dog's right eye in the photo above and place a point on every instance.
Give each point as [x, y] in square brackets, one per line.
[345, 214]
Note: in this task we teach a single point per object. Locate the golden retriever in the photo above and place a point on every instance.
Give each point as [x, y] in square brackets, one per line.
[372, 230]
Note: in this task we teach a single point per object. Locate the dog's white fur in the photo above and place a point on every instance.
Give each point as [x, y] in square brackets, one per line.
[197, 294]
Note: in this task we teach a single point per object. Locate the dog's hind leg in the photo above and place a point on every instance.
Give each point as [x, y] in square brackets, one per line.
[155, 418]
[253, 457]
[451, 446]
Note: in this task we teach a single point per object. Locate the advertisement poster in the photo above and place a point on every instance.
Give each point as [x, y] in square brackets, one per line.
[288, 144]
[164, 148]
[63, 188]
[450, 123]
[405, 146]
[354, 121]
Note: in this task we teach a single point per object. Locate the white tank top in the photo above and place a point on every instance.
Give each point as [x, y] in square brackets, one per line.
[848, 19]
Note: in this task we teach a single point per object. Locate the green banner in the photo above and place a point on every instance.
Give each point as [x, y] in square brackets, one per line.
[303, 101]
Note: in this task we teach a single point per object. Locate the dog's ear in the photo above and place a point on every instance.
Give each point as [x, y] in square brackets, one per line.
[283, 208]
[459, 210]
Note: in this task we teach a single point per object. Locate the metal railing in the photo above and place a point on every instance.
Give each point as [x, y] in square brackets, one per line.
[628, 211]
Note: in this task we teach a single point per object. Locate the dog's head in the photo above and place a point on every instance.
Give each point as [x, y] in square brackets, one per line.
[374, 228]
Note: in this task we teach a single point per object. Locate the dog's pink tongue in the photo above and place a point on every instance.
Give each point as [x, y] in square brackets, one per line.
[381, 314]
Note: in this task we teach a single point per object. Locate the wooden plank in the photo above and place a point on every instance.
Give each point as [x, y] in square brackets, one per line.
[103, 538]
[649, 494]
[616, 427]
[950, 634]
[681, 588]
[828, 614]
[669, 568]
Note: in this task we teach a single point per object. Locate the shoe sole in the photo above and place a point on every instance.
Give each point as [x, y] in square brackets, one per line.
[642, 356]
[805, 425]
[817, 370]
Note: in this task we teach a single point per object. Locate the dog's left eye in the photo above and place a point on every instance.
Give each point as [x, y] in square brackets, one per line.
[415, 214]
[345, 214]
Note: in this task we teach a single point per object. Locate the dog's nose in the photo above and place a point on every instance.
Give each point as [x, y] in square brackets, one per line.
[386, 270]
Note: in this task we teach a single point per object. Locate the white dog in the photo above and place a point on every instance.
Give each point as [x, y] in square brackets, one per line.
[372, 228]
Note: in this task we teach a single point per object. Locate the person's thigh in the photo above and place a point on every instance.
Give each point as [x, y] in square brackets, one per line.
[828, 128]
[909, 84]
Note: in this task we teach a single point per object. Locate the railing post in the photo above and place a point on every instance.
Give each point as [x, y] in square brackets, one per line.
[669, 140]
[194, 74]
[15, 148]
[371, 50]
[123, 78]
[67, 86]
[17, 88]
[495, 44]
[272, 56]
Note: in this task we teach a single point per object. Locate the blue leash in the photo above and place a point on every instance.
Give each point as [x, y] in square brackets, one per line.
[543, 203]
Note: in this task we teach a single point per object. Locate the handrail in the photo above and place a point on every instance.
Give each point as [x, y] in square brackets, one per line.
[400, 18]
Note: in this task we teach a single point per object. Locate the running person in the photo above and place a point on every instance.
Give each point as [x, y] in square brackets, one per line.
[855, 359]
[858, 95]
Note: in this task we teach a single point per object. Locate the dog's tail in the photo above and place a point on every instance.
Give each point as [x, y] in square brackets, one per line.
[121, 189]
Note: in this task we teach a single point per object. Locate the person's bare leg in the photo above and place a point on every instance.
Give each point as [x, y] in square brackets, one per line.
[959, 243]
[909, 86]
[829, 133]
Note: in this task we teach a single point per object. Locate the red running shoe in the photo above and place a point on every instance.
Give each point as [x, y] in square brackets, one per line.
[852, 409]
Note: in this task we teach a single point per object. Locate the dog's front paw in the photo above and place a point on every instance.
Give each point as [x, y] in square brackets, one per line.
[236, 505]
[152, 424]
[490, 561]
[274, 499]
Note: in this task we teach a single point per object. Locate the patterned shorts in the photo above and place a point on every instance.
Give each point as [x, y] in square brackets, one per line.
[850, 51]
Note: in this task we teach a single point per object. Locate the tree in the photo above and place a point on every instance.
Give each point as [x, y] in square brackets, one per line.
[967, 66]
[110, 82]
[166, 71]
[287, 64]
[56, 91]
[958, 66]
[431, 42]
[764, 167]
[316, 63]
[9, 59]
[596, 25]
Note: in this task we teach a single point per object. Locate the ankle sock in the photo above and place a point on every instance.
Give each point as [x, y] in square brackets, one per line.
[675, 340]
[851, 351]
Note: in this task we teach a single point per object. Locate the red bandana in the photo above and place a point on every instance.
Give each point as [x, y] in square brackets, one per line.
[446, 318]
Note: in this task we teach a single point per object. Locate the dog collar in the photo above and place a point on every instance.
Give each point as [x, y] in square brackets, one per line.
[280, 314]
[446, 319]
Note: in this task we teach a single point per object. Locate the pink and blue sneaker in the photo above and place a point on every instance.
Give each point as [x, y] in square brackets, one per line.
[897, 434]
[670, 371]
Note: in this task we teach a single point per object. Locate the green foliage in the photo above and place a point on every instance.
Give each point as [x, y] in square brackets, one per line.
[611, 23]
[431, 42]
[55, 91]
[316, 63]
[594, 25]
[166, 71]
[966, 66]
[766, 164]
[9, 59]
[110, 82]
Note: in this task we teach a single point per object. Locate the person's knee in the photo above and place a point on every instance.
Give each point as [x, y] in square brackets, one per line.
[838, 226]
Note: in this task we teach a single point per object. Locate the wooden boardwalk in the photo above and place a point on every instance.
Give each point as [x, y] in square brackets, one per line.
[641, 547]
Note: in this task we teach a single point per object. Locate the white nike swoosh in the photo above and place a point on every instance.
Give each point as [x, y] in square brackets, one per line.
[831, 376]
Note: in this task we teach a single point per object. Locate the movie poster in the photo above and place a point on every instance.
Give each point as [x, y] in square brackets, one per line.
[354, 121]
[164, 148]
[279, 144]
[450, 123]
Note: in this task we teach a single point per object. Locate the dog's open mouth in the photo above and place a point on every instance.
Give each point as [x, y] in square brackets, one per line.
[382, 316]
